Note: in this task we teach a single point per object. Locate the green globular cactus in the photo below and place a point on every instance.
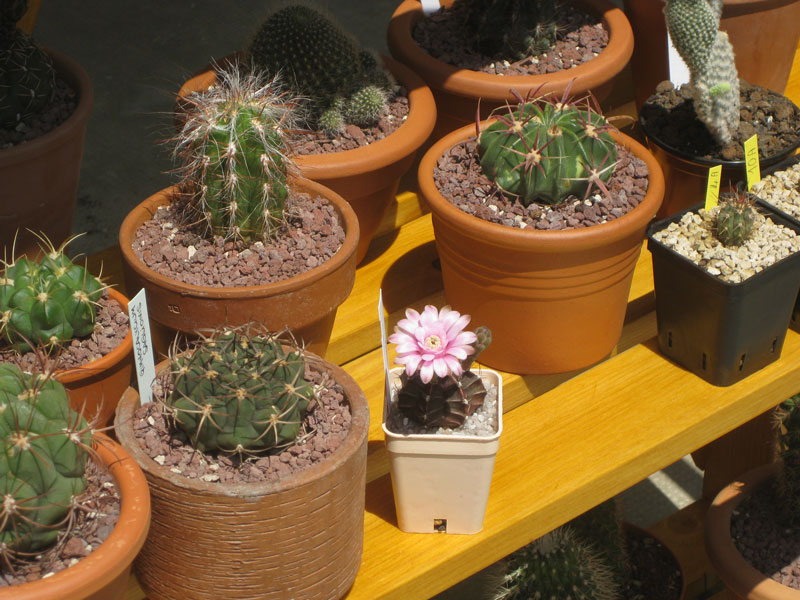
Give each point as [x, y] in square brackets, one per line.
[787, 483]
[445, 401]
[43, 459]
[316, 57]
[27, 79]
[46, 302]
[233, 153]
[513, 29]
[694, 28]
[546, 149]
[735, 219]
[366, 106]
[240, 393]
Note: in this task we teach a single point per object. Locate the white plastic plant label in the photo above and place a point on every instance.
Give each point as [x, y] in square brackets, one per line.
[142, 346]
[387, 391]
[429, 6]
[678, 70]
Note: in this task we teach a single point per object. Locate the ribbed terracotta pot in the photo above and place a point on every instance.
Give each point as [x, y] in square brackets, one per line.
[764, 35]
[95, 388]
[457, 91]
[299, 537]
[39, 179]
[554, 300]
[103, 574]
[306, 303]
[366, 177]
[743, 582]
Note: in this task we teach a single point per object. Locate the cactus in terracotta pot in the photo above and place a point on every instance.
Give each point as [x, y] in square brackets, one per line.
[787, 483]
[514, 29]
[547, 148]
[27, 79]
[437, 387]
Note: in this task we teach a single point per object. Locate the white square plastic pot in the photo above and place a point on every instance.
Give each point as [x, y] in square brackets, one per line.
[441, 482]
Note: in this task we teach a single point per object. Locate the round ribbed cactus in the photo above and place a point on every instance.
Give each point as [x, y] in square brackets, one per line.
[366, 105]
[546, 149]
[46, 302]
[513, 29]
[694, 28]
[233, 153]
[735, 219]
[27, 79]
[240, 393]
[43, 460]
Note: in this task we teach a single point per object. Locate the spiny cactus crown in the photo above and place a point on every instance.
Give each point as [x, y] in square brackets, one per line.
[233, 154]
[694, 28]
[46, 302]
[322, 63]
[788, 480]
[548, 148]
[27, 79]
[513, 29]
[735, 219]
[237, 392]
[43, 460]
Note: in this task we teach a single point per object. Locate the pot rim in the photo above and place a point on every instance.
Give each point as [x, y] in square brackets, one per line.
[544, 241]
[464, 82]
[147, 208]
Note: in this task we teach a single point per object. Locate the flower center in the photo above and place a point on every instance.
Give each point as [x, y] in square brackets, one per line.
[433, 342]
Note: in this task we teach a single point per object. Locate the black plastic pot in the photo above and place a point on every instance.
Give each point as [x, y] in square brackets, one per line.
[720, 331]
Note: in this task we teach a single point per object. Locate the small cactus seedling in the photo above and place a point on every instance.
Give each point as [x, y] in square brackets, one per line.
[735, 219]
[694, 28]
[513, 29]
[233, 153]
[324, 64]
[788, 480]
[547, 148]
[46, 302]
[45, 449]
[437, 387]
[27, 79]
[237, 392]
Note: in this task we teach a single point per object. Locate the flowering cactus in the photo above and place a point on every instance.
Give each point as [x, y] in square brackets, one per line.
[437, 388]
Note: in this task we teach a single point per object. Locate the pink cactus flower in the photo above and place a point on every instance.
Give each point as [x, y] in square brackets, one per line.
[432, 342]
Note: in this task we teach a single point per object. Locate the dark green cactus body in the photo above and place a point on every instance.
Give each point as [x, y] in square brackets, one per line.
[787, 483]
[545, 151]
[47, 302]
[735, 220]
[237, 393]
[43, 459]
[513, 29]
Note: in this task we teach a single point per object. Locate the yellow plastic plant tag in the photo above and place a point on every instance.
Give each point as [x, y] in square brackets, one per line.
[751, 161]
[712, 186]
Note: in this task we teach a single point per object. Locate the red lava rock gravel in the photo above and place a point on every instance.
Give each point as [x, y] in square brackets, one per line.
[58, 111]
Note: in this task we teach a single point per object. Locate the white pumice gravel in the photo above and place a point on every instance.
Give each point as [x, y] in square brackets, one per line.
[693, 238]
[782, 190]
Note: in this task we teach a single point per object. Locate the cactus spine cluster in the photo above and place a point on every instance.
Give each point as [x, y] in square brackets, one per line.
[788, 480]
[27, 79]
[43, 460]
[694, 28]
[46, 302]
[513, 29]
[735, 219]
[233, 154]
[240, 393]
[323, 63]
[445, 401]
[546, 149]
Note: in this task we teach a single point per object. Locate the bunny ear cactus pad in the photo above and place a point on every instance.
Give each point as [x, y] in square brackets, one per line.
[237, 393]
[546, 149]
[43, 459]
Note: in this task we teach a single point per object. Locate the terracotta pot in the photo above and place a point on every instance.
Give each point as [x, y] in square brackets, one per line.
[103, 574]
[40, 177]
[457, 91]
[366, 177]
[306, 303]
[95, 388]
[764, 35]
[299, 537]
[741, 579]
[554, 300]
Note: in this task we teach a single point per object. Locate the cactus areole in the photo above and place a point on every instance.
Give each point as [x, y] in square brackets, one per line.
[548, 148]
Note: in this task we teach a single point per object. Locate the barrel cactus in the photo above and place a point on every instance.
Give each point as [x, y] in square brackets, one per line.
[694, 28]
[233, 155]
[513, 29]
[46, 302]
[45, 450]
[237, 392]
[735, 219]
[322, 63]
[547, 148]
[27, 79]
[437, 387]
